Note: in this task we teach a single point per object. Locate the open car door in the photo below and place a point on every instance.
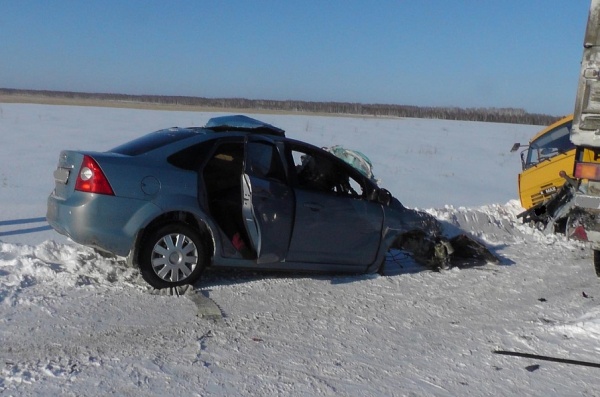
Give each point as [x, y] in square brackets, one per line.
[267, 200]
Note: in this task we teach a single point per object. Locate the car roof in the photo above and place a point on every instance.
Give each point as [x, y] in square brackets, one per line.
[237, 125]
[242, 123]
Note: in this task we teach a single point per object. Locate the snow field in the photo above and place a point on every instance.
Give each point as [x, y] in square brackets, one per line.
[73, 322]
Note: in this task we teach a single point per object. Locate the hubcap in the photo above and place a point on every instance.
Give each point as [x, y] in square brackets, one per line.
[174, 257]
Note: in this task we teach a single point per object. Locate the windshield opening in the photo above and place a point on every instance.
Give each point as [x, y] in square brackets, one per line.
[549, 145]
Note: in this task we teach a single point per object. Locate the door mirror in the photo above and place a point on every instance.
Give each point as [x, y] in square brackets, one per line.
[382, 196]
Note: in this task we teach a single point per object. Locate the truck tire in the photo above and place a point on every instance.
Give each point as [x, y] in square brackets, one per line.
[597, 262]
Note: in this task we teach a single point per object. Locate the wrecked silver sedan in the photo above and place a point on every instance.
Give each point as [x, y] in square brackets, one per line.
[235, 193]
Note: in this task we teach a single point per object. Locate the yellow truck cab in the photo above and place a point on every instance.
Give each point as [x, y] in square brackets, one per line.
[549, 155]
[550, 151]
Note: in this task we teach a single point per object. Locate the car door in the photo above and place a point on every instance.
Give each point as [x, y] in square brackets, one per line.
[334, 221]
[267, 200]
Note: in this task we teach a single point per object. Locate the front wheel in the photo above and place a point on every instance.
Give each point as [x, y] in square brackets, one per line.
[172, 255]
[597, 262]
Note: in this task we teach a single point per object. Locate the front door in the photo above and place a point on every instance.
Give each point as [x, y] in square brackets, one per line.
[334, 221]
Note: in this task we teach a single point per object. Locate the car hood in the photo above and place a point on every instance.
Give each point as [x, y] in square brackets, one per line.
[400, 220]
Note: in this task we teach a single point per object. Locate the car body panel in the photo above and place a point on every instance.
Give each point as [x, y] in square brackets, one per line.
[104, 222]
[337, 230]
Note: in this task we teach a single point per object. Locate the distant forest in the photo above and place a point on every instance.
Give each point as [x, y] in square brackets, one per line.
[496, 115]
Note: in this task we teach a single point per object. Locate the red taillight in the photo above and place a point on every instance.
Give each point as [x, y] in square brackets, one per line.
[91, 179]
[587, 171]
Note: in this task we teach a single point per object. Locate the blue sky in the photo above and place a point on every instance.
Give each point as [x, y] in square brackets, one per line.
[471, 53]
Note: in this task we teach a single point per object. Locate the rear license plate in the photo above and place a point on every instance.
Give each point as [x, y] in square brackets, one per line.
[61, 175]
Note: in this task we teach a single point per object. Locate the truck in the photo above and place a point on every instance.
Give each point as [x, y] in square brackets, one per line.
[585, 135]
[545, 194]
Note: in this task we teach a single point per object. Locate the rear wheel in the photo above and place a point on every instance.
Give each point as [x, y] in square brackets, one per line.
[172, 255]
[597, 262]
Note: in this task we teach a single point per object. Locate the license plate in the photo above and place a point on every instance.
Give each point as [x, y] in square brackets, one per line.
[61, 175]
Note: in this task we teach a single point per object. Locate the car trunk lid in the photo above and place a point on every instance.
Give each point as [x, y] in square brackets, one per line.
[65, 174]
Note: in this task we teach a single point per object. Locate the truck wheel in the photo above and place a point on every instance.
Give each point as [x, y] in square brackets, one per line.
[597, 262]
[172, 255]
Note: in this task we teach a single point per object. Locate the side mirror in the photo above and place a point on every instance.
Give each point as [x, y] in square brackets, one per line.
[384, 197]
[515, 147]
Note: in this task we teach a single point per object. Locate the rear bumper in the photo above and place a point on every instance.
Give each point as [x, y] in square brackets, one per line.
[108, 223]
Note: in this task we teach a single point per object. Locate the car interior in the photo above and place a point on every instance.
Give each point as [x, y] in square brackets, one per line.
[222, 178]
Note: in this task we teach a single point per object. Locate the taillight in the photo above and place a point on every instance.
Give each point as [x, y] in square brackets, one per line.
[91, 179]
[587, 171]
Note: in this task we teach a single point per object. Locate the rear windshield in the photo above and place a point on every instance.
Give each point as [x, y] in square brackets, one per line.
[153, 141]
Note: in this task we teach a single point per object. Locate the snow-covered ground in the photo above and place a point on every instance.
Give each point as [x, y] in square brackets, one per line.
[75, 323]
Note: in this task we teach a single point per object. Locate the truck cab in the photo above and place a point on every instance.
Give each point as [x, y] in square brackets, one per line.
[545, 183]
[549, 152]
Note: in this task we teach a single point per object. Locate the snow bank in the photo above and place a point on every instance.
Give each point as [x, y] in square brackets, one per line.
[61, 265]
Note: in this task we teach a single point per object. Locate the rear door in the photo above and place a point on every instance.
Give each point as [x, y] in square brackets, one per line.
[267, 200]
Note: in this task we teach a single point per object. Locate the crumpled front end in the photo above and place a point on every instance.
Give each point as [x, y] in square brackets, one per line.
[421, 235]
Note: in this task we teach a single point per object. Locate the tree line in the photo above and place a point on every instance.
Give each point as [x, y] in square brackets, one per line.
[497, 115]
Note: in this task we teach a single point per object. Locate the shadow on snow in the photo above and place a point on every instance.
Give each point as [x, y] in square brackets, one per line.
[25, 221]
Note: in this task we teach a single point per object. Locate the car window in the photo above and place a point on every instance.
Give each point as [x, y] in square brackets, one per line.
[152, 141]
[316, 171]
[549, 145]
[263, 161]
[225, 166]
[192, 157]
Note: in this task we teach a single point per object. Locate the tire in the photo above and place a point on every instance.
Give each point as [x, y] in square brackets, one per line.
[597, 262]
[172, 255]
